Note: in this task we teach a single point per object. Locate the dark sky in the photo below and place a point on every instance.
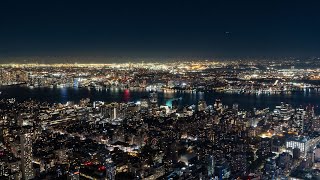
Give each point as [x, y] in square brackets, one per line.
[160, 28]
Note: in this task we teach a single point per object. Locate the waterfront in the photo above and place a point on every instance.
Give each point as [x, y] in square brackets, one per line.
[245, 101]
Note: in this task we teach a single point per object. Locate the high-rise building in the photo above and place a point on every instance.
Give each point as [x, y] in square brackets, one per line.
[3, 167]
[285, 161]
[113, 113]
[144, 103]
[202, 105]
[316, 124]
[239, 163]
[110, 168]
[298, 120]
[222, 171]
[210, 166]
[270, 169]
[26, 154]
[303, 143]
[153, 98]
[309, 160]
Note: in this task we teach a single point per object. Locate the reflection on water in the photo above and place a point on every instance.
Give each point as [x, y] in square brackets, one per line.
[169, 95]
[64, 94]
[126, 95]
[245, 101]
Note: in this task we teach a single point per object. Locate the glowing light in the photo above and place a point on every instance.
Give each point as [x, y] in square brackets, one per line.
[102, 168]
[126, 95]
[88, 163]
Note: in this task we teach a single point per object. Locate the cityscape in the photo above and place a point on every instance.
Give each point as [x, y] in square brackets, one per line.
[157, 134]
[160, 90]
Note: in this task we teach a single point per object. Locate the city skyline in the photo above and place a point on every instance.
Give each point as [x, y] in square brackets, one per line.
[154, 90]
[248, 119]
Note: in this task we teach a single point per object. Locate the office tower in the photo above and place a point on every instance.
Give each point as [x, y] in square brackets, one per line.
[153, 98]
[110, 168]
[26, 154]
[113, 113]
[285, 160]
[210, 166]
[144, 103]
[202, 105]
[270, 169]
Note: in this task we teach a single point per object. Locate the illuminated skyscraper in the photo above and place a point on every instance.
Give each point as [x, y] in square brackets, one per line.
[153, 97]
[25, 133]
[270, 169]
[210, 166]
[202, 105]
[26, 154]
[110, 168]
[144, 103]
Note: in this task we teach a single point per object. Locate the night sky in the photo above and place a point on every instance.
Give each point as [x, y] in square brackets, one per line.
[157, 28]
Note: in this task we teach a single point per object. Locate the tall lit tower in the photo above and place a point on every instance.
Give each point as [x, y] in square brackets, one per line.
[210, 166]
[26, 153]
[153, 97]
[110, 168]
[26, 135]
